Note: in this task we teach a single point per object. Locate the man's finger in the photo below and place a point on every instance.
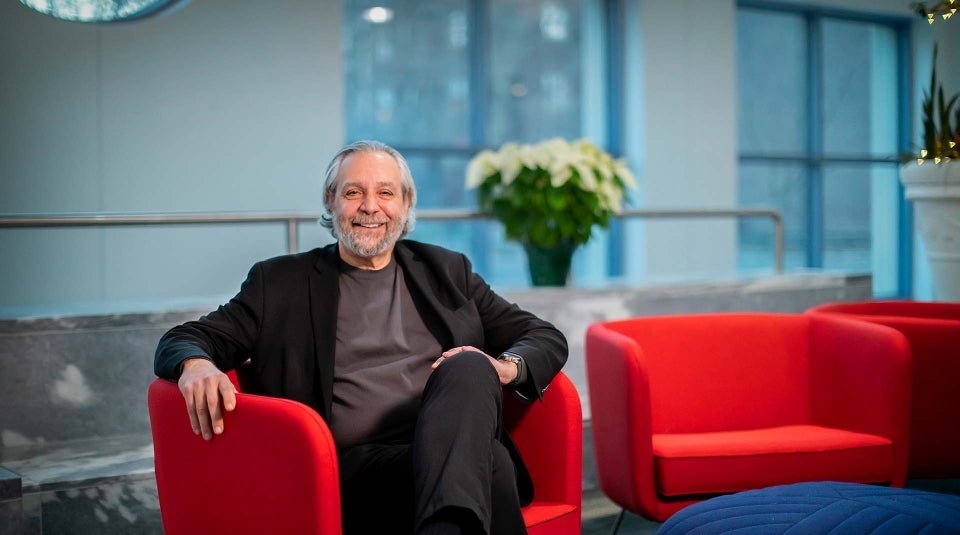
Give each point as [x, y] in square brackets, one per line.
[228, 393]
[216, 415]
[203, 414]
[192, 412]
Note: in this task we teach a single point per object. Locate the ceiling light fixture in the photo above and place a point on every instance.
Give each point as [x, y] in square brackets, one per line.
[98, 10]
[378, 15]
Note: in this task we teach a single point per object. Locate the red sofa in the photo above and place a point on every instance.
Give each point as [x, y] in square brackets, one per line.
[933, 330]
[274, 470]
[688, 407]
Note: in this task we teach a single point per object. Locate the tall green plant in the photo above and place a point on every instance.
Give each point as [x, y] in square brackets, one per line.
[941, 122]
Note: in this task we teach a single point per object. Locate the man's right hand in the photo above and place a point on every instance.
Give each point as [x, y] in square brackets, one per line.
[203, 387]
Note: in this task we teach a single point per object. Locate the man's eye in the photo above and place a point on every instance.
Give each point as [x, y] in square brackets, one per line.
[351, 194]
[386, 193]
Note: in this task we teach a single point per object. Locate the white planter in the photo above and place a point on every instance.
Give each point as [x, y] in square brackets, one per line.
[935, 192]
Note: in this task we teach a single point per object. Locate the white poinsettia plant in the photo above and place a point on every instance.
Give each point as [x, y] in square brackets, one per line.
[550, 193]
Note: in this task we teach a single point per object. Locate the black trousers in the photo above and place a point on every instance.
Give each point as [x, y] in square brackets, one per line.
[455, 460]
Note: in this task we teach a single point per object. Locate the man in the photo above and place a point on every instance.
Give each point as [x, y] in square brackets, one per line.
[398, 345]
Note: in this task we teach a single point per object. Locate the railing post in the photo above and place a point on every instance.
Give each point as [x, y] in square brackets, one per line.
[292, 245]
[778, 239]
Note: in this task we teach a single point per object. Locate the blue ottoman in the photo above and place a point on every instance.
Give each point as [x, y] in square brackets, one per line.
[822, 507]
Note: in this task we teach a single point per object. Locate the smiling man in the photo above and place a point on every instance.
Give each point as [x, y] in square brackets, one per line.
[401, 348]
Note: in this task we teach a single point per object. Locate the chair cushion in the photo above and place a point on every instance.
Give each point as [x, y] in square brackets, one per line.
[731, 461]
[552, 516]
[821, 507]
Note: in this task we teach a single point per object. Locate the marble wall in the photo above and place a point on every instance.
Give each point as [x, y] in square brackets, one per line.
[76, 378]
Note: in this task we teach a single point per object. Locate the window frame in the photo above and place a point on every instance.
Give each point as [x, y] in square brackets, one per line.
[813, 159]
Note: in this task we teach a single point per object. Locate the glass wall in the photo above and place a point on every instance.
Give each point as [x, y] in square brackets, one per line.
[444, 79]
[819, 128]
[819, 119]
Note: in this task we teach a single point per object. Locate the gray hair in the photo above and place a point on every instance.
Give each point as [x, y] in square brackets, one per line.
[332, 175]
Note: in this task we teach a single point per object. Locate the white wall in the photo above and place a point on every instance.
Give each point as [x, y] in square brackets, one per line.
[216, 106]
[687, 137]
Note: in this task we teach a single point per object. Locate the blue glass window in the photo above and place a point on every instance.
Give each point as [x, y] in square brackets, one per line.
[444, 79]
[819, 130]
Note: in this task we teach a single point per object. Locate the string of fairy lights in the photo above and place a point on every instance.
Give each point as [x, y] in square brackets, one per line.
[944, 9]
[941, 139]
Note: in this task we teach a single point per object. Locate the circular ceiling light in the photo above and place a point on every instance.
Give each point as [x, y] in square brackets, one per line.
[98, 10]
[378, 15]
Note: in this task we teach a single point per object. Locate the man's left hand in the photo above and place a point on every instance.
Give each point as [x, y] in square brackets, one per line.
[506, 371]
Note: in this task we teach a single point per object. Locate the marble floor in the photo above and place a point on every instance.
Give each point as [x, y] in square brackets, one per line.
[599, 515]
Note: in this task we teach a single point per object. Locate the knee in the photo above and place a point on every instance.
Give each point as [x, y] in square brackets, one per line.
[468, 370]
[470, 364]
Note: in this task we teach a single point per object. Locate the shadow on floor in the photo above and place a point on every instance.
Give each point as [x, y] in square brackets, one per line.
[599, 514]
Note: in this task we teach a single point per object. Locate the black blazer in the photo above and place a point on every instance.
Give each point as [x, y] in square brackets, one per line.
[284, 321]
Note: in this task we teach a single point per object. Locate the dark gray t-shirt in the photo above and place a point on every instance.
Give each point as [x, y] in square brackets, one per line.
[383, 357]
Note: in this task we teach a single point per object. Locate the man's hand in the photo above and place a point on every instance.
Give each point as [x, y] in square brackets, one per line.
[506, 371]
[203, 386]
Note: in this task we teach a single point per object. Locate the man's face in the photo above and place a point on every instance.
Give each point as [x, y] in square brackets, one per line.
[369, 208]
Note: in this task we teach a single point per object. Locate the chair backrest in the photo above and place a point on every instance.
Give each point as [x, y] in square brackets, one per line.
[549, 436]
[933, 328]
[933, 332]
[716, 372]
[914, 310]
[274, 469]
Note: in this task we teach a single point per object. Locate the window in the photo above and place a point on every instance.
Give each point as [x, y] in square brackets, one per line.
[819, 132]
[441, 80]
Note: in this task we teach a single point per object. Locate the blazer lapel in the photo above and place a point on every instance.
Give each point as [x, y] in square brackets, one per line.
[324, 298]
[435, 315]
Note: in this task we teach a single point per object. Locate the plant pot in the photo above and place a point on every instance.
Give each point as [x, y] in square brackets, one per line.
[934, 190]
[549, 266]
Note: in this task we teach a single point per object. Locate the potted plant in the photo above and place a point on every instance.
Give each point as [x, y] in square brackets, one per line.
[931, 180]
[549, 196]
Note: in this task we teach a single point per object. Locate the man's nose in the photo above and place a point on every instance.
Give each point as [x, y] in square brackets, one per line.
[369, 203]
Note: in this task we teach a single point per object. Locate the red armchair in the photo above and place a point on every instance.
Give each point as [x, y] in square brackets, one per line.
[275, 469]
[549, 436]
[933, 330]
[688, 407]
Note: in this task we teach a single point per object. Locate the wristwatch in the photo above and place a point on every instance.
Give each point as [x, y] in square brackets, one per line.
[516, 359]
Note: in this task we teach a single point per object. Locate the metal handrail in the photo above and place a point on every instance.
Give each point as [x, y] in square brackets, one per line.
[292, 219]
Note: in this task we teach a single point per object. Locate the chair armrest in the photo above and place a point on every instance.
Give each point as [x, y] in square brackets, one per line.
[620, 418]
[549, 436]
[860, 379]
[274, 469]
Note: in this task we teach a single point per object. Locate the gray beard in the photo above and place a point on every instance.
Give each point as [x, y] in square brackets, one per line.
[349, 239]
